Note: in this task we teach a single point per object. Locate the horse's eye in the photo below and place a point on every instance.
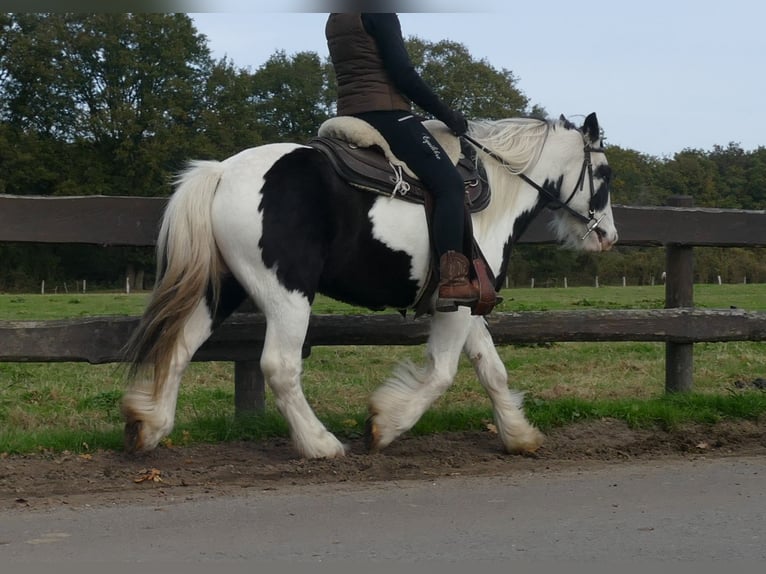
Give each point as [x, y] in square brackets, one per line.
[604, 172]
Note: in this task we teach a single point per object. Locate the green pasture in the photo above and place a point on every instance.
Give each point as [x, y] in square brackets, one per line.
[75, 406]
[745, 296]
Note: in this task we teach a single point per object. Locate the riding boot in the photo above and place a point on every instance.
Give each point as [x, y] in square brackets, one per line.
[454, 286]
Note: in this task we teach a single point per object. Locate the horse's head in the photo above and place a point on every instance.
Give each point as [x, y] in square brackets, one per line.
[573, 177]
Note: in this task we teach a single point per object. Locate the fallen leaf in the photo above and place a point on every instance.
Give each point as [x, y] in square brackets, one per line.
[703, 446]
[86, 456]
[491, 428]
[151, 474]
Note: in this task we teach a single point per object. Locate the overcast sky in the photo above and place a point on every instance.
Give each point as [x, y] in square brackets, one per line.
[661, 75]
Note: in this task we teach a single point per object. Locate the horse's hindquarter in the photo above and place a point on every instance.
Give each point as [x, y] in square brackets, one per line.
[280, 212]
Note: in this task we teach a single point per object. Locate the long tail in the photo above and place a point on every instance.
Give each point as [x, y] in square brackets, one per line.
[188, 265]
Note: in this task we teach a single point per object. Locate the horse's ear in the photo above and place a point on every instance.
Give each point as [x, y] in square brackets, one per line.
[562, 118]
[590, 128]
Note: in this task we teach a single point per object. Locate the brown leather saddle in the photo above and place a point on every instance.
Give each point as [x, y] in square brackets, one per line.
[368, 169]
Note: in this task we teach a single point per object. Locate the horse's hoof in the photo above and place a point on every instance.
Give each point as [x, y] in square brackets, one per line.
[371, 435]
[133, 437]
[525, 452]
[528, 445]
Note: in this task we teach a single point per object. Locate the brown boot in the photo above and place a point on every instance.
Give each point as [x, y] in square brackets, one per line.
[454, 286]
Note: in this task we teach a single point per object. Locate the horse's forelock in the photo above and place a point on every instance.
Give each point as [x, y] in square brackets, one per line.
[565, 122]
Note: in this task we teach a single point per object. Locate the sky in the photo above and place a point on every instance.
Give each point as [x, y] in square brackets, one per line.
[662, 76]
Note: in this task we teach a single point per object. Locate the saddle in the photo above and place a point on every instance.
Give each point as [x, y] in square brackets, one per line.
[365, 161]
[361, 156]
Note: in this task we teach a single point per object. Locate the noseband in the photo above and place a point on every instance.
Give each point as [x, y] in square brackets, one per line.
[590, 221]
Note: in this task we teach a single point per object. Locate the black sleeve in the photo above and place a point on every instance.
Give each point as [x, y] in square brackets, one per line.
[387, 32]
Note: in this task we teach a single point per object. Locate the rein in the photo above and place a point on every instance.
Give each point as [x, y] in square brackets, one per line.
[590, 221]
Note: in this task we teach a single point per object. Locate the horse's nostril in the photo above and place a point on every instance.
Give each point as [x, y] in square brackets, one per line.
[601, 234]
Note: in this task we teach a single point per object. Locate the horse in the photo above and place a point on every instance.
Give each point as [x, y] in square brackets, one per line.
[277, 224]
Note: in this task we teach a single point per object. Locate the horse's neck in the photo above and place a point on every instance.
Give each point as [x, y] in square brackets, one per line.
[493, 227]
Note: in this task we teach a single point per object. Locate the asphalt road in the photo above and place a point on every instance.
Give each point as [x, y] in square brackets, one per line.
[701, 510]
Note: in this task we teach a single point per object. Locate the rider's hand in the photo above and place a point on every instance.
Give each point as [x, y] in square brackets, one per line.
[457, 123]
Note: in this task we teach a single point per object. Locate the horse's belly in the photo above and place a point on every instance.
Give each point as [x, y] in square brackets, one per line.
[387, 265]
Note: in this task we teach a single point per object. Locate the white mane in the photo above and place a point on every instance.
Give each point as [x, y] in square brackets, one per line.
[519, 141]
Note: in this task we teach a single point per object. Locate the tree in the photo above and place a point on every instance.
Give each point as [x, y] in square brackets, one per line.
[119, 89]
[228, 120]
[732, 163]
[97, 104]
[756, 179]
[691, 172]
[6, 35]
[634, 175]
[291, 96]
[472, 86]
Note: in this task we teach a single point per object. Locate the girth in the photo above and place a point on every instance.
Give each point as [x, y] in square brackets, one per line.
[368, 169]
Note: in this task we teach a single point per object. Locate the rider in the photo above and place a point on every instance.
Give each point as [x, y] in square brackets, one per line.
[376, 82]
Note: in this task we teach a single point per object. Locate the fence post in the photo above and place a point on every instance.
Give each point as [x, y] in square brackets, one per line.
[249, 389]
[679, 292]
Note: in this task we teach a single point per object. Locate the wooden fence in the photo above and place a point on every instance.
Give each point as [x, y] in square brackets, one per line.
[134, 221]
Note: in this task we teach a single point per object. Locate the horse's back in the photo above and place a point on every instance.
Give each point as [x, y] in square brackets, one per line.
[257, 159]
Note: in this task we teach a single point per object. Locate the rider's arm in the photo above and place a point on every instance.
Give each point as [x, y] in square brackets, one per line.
[387, 32]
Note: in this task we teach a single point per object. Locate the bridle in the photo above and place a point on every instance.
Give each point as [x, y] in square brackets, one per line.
[590, 221]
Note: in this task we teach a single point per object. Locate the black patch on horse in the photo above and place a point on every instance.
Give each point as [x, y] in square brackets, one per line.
[519, 227]
[601, 193]
[317, 234]
[231, 295]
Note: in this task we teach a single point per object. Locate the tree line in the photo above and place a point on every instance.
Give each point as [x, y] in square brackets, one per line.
[115, 104]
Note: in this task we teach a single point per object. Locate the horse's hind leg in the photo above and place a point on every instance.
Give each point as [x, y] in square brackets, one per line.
[397, 405]
[287, 320]
[149, 406]
[516, 433]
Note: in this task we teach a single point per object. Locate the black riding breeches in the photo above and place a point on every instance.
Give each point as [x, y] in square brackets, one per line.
[412, 143]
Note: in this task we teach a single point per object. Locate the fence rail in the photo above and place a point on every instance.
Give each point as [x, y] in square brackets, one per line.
[133, 221]
[98, 340]
[102, 220]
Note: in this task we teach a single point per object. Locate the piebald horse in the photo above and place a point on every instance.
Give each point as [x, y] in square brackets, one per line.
[275, 223]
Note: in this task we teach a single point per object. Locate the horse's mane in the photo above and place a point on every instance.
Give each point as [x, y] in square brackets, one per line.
[519, 141]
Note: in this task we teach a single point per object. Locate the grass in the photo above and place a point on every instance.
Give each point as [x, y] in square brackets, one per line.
[71, 406]
[38, 307]
[749, 296]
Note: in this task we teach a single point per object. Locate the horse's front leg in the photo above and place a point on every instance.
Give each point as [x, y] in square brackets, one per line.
[517, 434]
[287, 319]
[397, 405]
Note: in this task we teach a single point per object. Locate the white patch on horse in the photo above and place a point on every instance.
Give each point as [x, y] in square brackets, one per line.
[402, 226]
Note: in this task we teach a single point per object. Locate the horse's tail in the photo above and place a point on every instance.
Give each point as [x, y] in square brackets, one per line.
[188, 267]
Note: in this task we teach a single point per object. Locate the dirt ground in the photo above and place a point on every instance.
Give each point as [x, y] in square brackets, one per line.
[185, 473]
